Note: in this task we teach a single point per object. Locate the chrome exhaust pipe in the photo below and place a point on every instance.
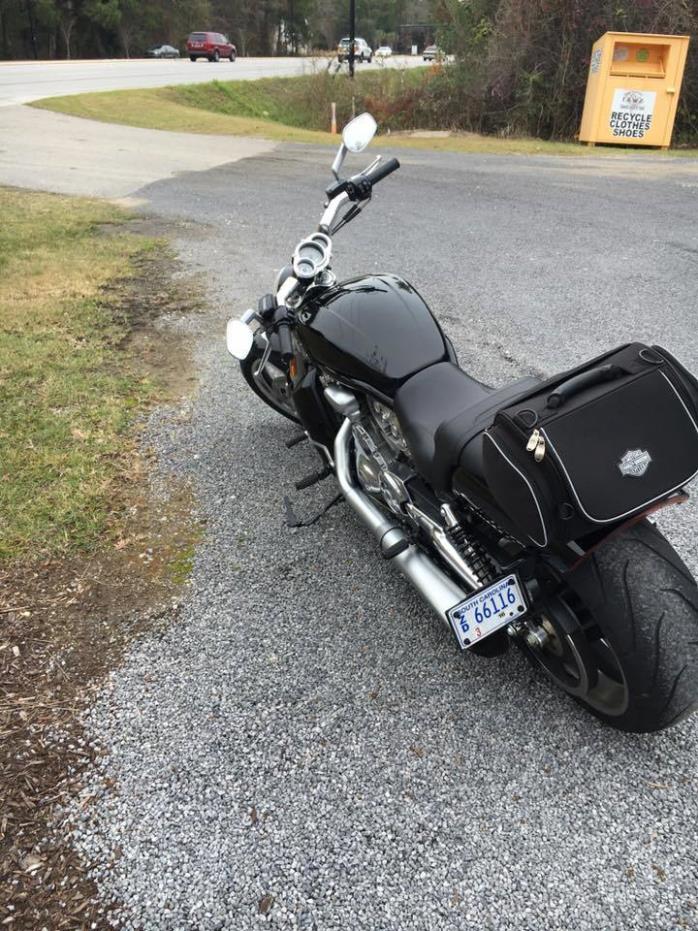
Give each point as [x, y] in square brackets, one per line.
[435, 587]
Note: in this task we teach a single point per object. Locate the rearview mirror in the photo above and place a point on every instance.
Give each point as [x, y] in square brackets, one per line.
[357, 134]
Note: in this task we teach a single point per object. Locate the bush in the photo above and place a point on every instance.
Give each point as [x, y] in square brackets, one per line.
[522, 65]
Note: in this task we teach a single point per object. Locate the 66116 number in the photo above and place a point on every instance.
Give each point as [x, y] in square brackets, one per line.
[485, 612]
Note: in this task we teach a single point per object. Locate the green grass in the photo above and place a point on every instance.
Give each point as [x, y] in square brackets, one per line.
[162, 109]
[298, 110]
[68, 393]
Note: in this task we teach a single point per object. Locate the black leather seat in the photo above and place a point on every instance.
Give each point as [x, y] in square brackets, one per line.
[442, 412]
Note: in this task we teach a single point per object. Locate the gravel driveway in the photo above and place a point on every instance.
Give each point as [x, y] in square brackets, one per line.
[306, 747]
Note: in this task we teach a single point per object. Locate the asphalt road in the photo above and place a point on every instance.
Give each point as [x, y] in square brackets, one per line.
[22, 82]
[306, 736]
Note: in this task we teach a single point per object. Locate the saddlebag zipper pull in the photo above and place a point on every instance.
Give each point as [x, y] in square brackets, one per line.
[540, 449]
[533, 441]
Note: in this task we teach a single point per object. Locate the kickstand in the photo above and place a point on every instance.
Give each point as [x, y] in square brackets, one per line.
[293, 521]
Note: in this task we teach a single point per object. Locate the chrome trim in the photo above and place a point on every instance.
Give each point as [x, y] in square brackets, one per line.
[258, 377]
[332, 209]
[339, 160]
[265, 357]
[443, 545]
[374, 164]
[437, 589]
[343, 401]
[323, 449]
[449, 516]
[286, 290]
[323, 241]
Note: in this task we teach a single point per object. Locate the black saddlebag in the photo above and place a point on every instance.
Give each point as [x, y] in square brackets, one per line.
[595, 445]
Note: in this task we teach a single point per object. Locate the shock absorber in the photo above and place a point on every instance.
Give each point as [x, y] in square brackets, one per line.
[474, 553]
[471, 550]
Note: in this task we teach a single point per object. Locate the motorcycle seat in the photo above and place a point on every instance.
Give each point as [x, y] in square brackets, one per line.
[443, 413]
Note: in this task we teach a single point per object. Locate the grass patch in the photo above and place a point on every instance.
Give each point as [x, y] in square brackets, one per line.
[297, 109]
[69, 392]
[164, 109]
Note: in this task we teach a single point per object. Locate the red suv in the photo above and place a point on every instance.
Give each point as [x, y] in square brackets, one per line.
[211, 45]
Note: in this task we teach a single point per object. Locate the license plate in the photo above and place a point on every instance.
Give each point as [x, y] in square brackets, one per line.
[485, 612]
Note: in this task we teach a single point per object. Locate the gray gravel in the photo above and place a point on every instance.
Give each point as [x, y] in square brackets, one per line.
[306, 731]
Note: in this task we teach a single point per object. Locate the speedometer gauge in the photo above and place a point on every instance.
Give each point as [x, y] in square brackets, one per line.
[312, 255]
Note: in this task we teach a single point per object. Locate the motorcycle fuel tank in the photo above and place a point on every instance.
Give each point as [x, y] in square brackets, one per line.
[375, 329]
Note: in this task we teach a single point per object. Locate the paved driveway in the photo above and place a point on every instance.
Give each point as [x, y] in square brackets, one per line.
[53, 152]
[306, 747]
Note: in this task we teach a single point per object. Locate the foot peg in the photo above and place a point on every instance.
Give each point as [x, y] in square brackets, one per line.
[295, 440]
[313, 479]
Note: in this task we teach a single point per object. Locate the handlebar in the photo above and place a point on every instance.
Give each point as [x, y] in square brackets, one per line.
[354, 190]
[382, 170]
[283, 328]
[274, 311]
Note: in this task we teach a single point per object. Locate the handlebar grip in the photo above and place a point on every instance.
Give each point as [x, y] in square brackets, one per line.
[285, 342]
[382, 170]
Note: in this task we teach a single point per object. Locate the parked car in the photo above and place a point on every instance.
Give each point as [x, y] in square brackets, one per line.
[362, 50]
[384, 51]
[211, 45]
[163, 51]
[432, 53]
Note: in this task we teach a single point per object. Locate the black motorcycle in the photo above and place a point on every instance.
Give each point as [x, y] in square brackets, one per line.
[520, 513]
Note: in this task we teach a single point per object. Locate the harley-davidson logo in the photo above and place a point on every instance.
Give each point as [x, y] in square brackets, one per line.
[635, 462]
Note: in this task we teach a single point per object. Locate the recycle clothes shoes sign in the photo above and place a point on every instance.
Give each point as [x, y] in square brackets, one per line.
[631, 113]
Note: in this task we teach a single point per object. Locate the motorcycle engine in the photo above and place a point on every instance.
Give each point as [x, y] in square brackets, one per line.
[389, 426]
[382, 456]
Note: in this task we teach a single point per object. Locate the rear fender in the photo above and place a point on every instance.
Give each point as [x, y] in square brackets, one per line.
[679, 498]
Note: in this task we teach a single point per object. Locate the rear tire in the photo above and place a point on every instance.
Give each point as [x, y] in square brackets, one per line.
[638, 599]
[233, 56]
[192, 58]
[215, 57]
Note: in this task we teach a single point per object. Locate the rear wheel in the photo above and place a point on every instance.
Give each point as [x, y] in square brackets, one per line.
[620, 633]
[233, 56]
[192, 58]
[216, 56]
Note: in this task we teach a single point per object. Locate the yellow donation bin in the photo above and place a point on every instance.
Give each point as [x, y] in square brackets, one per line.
[633, 89]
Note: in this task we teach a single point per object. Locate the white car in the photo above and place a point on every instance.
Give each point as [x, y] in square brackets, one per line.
[384, 51]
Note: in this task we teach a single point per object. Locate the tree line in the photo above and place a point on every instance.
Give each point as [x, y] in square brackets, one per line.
[522, 65]
[106, 28]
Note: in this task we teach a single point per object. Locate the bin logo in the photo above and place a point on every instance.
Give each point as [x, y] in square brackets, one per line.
[635, 463]
[631, 113]
[633, 100]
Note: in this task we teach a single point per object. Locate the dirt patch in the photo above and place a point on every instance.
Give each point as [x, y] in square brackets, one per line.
[65, 623]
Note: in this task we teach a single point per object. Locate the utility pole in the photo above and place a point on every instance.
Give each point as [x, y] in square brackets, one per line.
[32, 26]
[292, 27]
[352, 35]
